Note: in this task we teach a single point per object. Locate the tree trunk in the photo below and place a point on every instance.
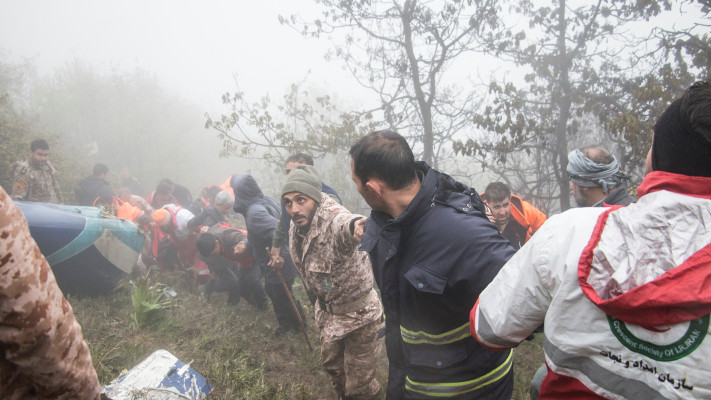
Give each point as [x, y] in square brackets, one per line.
[563, 109]
[422, 101]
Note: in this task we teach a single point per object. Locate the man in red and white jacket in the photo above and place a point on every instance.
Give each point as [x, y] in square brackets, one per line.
[623, 291]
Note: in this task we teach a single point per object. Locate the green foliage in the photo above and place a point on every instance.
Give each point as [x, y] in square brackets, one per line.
[149, 301]
[19, 127]
[579, 60]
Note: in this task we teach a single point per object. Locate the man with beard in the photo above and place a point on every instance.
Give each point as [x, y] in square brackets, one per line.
[596, 179]
[34, 179]
[323, 241]
[281, 234]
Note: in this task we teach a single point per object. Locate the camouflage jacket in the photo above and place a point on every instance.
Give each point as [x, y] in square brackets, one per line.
[43, 354]
[33, 183]
[331, 266]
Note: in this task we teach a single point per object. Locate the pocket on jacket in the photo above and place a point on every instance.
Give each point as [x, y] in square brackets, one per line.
[437, 356]
[323, 272]
[425, 280]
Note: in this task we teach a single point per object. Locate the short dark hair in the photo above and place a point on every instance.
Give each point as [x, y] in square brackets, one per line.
[206, 244]
[300, 158]
[695, 108]
[496, 191]
[39, 144]
[164, 188]
[166, 181]
[100, 169]
[384, 155]
[598, 155]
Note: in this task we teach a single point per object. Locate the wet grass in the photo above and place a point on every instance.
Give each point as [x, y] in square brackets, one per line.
[234, 347]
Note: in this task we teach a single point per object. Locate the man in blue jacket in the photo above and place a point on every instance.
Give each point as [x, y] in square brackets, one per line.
[261, 215]
[433, 251]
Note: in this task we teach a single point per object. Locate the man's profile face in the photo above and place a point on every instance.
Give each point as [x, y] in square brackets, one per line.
[291, 165]
[501, 210]
[364, 191]
[39, 157]
[300, 207]
[579, 195]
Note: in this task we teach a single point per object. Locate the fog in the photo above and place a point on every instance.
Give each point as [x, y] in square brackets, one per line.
[131, 84]
[195, 52]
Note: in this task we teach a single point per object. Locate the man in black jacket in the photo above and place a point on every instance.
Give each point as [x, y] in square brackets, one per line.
[94, 186]
[433, 251]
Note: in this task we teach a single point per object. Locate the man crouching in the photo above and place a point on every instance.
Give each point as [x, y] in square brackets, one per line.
[323, 241]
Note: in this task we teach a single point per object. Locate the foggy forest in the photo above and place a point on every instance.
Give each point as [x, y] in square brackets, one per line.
[483, 90]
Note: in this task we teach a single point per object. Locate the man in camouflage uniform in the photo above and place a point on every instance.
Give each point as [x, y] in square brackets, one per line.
[34, 179]
[323, 241]
[43, 353]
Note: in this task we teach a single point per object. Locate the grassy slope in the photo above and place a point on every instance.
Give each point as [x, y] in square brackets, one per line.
[232, 346]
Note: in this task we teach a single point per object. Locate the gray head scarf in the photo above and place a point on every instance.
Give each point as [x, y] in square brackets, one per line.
[586, 172]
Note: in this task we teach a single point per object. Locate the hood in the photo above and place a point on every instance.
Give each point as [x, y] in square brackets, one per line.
[650, 263]
[438, 187]
[246, 191]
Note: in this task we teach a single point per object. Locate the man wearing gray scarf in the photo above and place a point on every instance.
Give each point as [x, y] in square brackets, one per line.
[596, 179]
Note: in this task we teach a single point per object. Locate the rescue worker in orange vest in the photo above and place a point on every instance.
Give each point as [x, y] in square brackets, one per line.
[516, 219]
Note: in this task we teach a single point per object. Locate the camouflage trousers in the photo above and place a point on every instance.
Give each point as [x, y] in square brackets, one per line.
[351, 363]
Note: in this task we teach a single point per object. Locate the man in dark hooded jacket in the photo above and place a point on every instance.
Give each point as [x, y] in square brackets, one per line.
[433, 251]
[261, 214]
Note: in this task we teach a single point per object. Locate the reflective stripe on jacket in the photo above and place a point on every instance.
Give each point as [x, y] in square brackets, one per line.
[430, 264]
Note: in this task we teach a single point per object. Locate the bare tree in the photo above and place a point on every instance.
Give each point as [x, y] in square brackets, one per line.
[401, 51]
[300, 122]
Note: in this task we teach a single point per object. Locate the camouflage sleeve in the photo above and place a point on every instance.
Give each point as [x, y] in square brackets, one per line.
[19, 182]
[57, 187]
[343, 229]
[43, 353]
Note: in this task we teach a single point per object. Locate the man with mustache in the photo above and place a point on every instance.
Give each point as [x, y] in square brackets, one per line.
[323, 241]
[34, 179]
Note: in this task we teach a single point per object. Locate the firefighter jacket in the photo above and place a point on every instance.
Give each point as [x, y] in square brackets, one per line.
[623, 292]
[331, 266]
[431, 263]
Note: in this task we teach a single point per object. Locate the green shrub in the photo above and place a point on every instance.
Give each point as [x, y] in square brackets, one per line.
[149, 302]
